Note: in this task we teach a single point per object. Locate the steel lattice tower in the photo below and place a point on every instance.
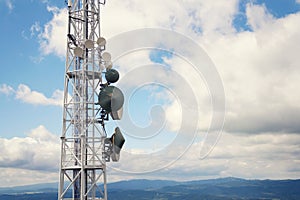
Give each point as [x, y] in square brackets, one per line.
[83, 140]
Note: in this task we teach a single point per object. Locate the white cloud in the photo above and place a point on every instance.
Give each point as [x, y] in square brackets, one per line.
[35, 28]
[183, 16]
[127, 15]
[298, 1]
[17, 177]
[42, 134]
[259, 70]
[260, 73]
[29, 160]
[117, 17]
[243, 59]
[25, 94]
[6, 89]
[38, 151]
[258, 16]
[53, 37]
[173, 116]
[203, 17]
[268, 155]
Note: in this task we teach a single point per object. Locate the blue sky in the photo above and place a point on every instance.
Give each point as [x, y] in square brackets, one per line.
[253, 45]
[19, 47]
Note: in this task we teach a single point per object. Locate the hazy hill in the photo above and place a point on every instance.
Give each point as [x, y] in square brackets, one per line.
[45, 187]
[141, 184]
[226, 188]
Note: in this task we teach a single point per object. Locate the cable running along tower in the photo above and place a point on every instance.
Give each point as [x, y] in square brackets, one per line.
[89, 101]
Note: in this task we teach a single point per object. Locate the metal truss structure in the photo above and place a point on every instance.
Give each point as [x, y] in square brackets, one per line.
[83, 161]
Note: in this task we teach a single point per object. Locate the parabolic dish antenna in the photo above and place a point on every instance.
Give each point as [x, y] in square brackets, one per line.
[78, 52]
[102, 67]
[108, 65]
[111, 99]
[89, 44]
[112, 75]
[106, 56]
[101, 41]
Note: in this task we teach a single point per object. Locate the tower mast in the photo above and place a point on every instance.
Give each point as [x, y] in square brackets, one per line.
[83, 161]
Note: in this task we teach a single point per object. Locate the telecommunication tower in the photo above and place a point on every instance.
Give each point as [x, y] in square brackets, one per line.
[89, 101]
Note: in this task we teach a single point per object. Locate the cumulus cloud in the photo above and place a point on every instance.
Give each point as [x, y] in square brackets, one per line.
[259, 81]
[238, 155]
[259, 74]
[249, 156]
[259, 69]
[53, 36]
[258, 16]
[32, 159]
[17, 177]
[267, 155]
[25, 94]
[190, 17]
[38, 151]
[184, 16]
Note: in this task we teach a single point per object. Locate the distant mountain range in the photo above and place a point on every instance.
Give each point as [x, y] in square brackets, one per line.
[225, 188]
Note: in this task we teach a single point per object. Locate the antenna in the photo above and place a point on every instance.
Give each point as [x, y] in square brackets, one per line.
[89, 102]
[106, 56]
